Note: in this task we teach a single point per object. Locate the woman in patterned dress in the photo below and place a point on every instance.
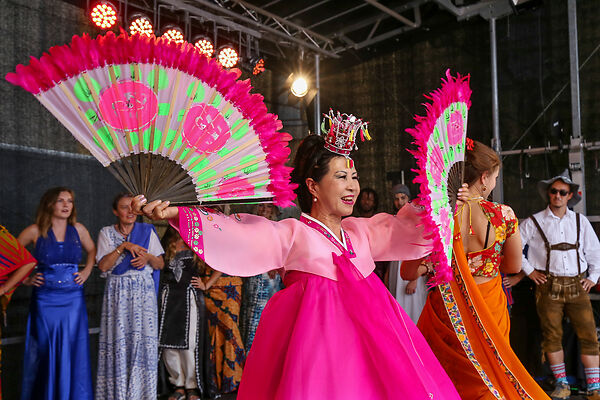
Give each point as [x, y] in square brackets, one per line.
[466, 321]
[182, 319]
[16, 264]
[226, 354]
[130, 254]
[258, 289]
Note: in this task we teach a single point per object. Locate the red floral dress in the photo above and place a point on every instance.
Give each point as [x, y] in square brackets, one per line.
[502, 218]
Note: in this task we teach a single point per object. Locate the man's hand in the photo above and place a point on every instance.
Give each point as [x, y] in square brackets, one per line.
[587, 284]
[538, 277]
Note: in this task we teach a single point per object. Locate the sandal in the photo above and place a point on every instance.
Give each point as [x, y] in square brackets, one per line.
[193, 394]
[178, 395]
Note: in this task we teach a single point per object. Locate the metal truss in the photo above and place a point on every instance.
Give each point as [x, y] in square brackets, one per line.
[254, 22]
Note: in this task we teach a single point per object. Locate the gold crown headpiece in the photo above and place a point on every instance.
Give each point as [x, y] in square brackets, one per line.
[340, 138]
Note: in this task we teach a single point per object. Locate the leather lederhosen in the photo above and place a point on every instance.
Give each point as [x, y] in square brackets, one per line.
[560, 286]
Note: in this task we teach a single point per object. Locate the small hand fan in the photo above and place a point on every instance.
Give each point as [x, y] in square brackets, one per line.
[166, 120]
[440, 139]
[12, 256]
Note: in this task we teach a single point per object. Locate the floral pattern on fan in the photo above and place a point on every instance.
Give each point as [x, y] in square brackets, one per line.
[128, 106]
[456, 128]
[435, 165]
[205, 128]
[231, 188]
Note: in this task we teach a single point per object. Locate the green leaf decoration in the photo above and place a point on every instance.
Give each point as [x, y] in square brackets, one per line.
[201, 165]
[117, 71]
[83, 92]
[199, 95]
[171, 136]
[163, 79]
[163, 108]
[209, 173]
[105, 137]
[91, 116]
[242, 131]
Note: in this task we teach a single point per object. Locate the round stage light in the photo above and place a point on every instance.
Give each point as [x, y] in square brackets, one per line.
[104, 15]
[228, 57]
[205, 47]
[174, 34]
[259, 67]
[141, 25]
[299, 87]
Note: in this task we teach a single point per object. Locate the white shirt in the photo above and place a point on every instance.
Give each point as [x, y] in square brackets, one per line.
[109, 239]
[558, 230]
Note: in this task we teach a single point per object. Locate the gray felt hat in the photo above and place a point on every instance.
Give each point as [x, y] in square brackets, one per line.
[564, 176]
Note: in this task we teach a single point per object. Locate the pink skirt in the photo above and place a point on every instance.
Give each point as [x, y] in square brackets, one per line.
[347, 339]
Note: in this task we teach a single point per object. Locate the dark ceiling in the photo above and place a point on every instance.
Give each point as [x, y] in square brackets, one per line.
[340, 31]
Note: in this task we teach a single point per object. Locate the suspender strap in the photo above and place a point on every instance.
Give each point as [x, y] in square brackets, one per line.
[577, 218]
[546, 243]
[560, 246]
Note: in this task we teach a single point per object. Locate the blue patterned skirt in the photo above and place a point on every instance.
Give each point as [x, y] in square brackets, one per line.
[128, 347]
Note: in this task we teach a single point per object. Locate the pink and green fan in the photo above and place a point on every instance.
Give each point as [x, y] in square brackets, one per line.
[440, 138]
[166, 120]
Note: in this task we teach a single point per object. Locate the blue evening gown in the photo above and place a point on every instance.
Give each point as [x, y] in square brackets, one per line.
[56, 363]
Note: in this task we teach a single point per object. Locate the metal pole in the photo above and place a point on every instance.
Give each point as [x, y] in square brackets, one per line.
[317, 96]
[498, 194]
[576, 157]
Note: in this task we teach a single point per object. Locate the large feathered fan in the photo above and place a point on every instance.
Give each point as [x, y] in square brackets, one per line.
[166, 120]
[440, 138]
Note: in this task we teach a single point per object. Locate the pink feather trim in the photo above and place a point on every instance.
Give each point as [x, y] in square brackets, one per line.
[453, 90]
[84, 53]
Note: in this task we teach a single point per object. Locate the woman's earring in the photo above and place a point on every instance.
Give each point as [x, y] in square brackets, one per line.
[484, 188]
[315, 199]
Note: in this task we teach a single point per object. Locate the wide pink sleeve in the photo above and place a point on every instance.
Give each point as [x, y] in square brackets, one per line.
[393, 237]
[238, 244]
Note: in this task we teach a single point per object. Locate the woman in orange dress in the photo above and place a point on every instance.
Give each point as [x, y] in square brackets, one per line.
[466, 321]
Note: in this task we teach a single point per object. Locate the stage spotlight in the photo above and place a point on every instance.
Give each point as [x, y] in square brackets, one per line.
[104, 15]
[259, 67]
[205, 46]
[142, 25]
[299, 87]
[228, 57]
[175, 34]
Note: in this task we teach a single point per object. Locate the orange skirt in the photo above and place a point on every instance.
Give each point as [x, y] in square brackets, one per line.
[467, 327]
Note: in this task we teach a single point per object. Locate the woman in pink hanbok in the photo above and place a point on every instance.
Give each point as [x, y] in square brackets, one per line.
[334, 332]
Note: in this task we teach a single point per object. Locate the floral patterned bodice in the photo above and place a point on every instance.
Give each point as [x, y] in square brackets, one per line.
[486, 262]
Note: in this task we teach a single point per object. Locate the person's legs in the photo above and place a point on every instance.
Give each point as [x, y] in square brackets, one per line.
[550, 310]
[579, 310]
[173, 363]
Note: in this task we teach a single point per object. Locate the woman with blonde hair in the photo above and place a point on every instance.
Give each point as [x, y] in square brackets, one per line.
[130, 256]
[56, 362]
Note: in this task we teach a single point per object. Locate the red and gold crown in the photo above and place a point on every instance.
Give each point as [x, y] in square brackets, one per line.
[340, 138]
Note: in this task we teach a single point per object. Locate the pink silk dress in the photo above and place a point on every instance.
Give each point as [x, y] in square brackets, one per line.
[334, 332]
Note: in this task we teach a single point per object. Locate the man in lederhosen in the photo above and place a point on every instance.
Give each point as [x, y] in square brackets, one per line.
[564, 261]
